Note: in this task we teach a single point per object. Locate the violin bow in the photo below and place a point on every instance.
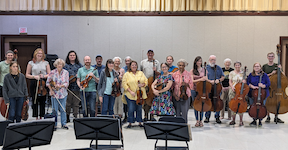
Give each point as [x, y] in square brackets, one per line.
[7, 111]
[36, 92]
[74, 94]
[84, 97]
[60, 103]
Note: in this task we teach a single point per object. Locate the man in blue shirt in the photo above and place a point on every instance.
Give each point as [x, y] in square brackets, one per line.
[211, 79]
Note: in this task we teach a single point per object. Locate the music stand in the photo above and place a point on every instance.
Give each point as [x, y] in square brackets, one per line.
[3, 125]
[98, 128]
[167, 131]
[28, 134]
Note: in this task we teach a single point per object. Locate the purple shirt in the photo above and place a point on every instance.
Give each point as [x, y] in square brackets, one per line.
[254, 80]
[59, 79]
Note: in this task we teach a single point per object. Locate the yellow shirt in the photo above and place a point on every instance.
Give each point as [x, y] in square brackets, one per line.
[130, 81]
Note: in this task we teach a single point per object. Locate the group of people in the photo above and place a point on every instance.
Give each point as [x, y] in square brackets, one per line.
[72, 83]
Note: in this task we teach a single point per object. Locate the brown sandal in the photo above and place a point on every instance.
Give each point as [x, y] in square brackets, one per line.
[232, 123]
[197, 124]
[241, 124]
[200, 124]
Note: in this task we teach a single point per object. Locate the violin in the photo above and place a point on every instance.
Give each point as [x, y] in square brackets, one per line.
[277, 102]
[257, 109]
[217, 103]
[238, 104]
[42, 91]
[202, 101]
[116, 88]
[149, 91]
[160, 86]
[24, 113]
[85, 82]
[183, 88]
[72, 79]
[140, 100]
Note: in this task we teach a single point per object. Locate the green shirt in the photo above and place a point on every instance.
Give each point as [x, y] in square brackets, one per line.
[4, 69]
[82, 72]
[268, 69]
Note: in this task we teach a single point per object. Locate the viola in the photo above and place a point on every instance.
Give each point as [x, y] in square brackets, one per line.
[183, 88]
[238, 104]
[140, 100]
[116, 87]
[149, 91]
[217, 103]
[257, 109]
[277, 102]
[72, 79]
[42, 91]
[85, 82]
[24, 113]
[202, 101]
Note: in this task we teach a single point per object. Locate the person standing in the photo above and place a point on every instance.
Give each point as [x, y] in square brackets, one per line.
[211, 78]
[99, 67]
[90, 91]
[270, 69]
[72, 65]
[14, 91]
[225, 87]
[4, 70]
[169, 61]
[118, 105]
[37, 69]
[58, 90]
[148, 69]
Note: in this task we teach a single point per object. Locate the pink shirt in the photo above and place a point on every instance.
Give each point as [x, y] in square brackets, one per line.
[178, 82]
[59, 79]
[196, 77]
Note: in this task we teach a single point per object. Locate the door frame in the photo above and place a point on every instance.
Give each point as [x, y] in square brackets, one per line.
[4, 36]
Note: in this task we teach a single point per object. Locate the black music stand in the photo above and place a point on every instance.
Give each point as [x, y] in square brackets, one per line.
[28, 134]
[98, 128]
[3, 126]
[167, 131]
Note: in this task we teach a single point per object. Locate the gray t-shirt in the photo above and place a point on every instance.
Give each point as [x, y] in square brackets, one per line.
[38, 67]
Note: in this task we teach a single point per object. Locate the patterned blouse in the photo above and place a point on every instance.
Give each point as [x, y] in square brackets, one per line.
[178, 82]
[59, 79]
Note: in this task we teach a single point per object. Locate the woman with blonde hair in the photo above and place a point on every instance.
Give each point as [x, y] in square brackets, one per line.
[37, 69]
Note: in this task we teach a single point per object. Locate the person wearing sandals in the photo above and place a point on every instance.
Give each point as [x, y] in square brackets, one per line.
[14, 91]
[235, 77]
[58, 91]
[197, 74]
[131, 85]
[162, 103]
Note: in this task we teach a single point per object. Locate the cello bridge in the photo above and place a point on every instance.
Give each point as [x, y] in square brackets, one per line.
[203, 97]
[240, 98]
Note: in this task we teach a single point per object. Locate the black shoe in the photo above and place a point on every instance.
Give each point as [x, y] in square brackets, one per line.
[206, 120]
[253, 123]
[218, 120]
[268, 119]
[145, 119]
[67, 118]
[124, 120]
[278, 120]
[260, 124]
[129, 126]
[65, 127]
[141, 126]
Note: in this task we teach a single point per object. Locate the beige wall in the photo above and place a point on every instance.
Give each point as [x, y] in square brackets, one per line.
[244, 38]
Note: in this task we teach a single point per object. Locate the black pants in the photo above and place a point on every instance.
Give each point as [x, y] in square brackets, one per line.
[39, 101]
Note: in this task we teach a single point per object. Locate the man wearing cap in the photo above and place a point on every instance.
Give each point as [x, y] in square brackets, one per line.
[100, 67]
[148, 69]
[4, 69]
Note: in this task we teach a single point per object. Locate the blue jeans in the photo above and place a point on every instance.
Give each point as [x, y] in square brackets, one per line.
[15, 108]
[56, 106]
[108, 104]
[194, 94]
[132, 107]
[91, 100]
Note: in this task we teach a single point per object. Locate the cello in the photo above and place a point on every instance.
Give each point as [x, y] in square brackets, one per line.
[202, 101]
[217, 103]
[238, 104]
[277, 102]
[149, 91]
[257, 109]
